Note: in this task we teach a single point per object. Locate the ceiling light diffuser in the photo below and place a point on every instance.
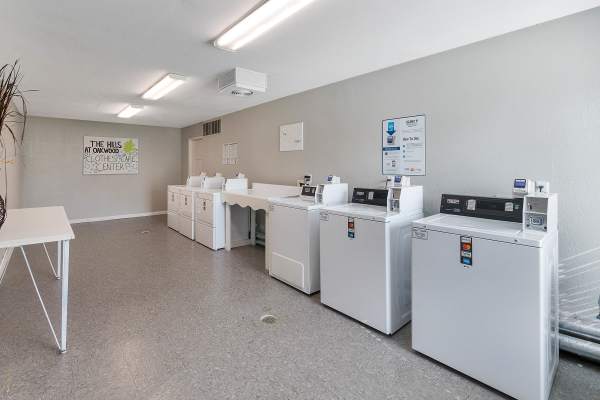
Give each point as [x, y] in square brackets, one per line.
[258, 22]
[164, 86]
[130, 111]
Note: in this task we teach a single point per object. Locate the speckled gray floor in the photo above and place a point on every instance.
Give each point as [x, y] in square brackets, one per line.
[156, 316]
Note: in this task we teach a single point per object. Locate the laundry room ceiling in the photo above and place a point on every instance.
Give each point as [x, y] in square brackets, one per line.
[89, 59]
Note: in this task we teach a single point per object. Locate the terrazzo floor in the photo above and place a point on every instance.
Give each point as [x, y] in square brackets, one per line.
[154, 315]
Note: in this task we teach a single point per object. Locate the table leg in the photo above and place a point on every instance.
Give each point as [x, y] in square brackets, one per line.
[252, 226]
[39, 296]
[56, 272]
[267, 241]
[59, 258]
[227, 226]
[64, 296]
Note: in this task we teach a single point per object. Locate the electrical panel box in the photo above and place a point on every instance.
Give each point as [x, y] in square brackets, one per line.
[291, 137]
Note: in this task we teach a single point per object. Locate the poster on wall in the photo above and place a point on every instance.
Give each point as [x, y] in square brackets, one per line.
[230, 153]
[110, 155]
[403, 146]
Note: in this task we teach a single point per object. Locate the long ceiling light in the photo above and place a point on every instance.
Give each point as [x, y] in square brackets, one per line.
[130, 111]
[168, 83]
[258, 22]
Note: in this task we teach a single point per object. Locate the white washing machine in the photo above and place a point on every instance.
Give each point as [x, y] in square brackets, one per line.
[365, 255]
[181, 201]
[294, 226]
[485, 291]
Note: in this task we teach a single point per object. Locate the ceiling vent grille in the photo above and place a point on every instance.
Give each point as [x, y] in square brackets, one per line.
[211, 127]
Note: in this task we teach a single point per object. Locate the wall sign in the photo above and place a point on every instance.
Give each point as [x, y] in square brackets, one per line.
[403, 146]
[110, 155]
[230, 153]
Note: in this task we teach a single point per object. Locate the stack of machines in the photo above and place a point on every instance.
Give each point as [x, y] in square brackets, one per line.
[184, 210]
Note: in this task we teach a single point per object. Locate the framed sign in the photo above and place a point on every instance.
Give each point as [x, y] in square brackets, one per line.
[110, 155]
[230, 153]
[403, 146]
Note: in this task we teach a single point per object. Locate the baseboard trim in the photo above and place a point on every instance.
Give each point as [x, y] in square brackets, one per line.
[111, 217]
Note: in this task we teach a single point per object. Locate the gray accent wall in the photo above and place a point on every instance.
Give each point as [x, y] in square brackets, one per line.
[53, 169]
[525, 104]
[11, 184]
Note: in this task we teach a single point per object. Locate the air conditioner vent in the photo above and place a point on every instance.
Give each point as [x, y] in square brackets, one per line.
[211, 127]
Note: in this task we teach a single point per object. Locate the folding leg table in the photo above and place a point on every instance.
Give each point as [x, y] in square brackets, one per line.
[29, 226]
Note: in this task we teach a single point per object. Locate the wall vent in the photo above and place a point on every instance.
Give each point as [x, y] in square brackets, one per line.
[211, 127]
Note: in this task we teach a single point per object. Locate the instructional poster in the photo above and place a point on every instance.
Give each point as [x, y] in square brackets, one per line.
[403, 146]
[110, 155]
[230, 153]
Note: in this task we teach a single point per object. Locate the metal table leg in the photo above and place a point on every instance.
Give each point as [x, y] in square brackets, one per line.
[64, 296]
[252, 226]
[227, 226]
[39, 296]
[267, 241]
[59, 258]
[55, 272]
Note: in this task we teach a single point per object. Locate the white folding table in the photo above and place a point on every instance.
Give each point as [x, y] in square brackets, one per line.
[29, 226]
[256, 198]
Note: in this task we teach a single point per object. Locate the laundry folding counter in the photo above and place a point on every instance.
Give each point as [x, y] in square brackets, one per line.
[30, 226]
[256, 198]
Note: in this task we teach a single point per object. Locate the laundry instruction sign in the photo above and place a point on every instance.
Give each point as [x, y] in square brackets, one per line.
[110, 155]
[403, 146]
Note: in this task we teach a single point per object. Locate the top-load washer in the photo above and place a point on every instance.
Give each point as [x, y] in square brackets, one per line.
[485, 290]
[365, 255]
[294, 226]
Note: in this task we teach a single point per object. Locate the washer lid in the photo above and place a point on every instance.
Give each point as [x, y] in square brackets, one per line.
[503, 231]
[361, 211]
[300, 202]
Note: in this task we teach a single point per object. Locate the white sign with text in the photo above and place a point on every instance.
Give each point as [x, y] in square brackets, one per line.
[403, 146]
[110, 155]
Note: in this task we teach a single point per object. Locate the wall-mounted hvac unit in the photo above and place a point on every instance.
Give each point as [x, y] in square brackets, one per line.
[242, 82]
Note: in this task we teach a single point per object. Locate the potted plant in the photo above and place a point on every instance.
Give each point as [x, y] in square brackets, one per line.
[12, 122]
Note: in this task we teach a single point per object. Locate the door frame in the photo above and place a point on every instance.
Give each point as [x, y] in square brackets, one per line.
[191, 153]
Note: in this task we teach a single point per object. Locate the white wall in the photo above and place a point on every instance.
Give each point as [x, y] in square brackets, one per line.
[11, 173]
[11, 183]
[53, 169]
[526, 104]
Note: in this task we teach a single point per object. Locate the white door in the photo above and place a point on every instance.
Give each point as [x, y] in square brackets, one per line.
[289, 245]
[186, 205]
[195, 166]
[205, 234]
[173, 201]
[204, 211]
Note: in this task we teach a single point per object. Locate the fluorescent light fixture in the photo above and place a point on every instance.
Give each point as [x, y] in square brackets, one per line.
[164, 86]
[130, 111]
[258, 22]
